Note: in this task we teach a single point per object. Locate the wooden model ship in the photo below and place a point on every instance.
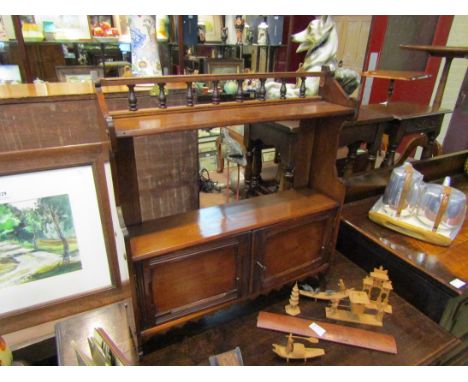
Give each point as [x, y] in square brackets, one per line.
[365, 307]
[296, 350]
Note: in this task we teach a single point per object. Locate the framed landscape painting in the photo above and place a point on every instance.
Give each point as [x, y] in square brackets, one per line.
[52, 244]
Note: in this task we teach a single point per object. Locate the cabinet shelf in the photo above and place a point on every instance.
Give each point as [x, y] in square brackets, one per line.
[229, 113]
[176, 232]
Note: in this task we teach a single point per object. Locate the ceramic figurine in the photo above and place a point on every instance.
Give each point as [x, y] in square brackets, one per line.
[201, 32]
[248, 35]
[224, 34]
[239, 24]
[262, 38]
[320, 42]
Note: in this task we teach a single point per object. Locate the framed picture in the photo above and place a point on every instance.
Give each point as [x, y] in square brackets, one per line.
[69, 27]
[79, 73]
[213, 25]
[7, 31]
[224, 66]
[53, 244]
[163, 27]
[10, 74]
[94, 20]
[121, 23]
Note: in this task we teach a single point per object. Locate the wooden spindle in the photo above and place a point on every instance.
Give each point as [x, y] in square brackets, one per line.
[189, 94]
[216, 97]
[239, 96]
[132, 99]
[162, 96]
[262, 91]
[302, 90]
[283, 89]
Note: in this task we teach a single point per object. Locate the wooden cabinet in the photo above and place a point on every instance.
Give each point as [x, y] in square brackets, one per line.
[186, 281]
[184, 266]
[187, 265]
[292, 250]
[175, 284]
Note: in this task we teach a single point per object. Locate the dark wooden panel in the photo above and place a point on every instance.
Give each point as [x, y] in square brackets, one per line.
[186, 281]
[457, 138]
[49, 124]
[167, 167]
[127, 182]
[198, 277]
[43, 60]
[288, 251]
[165, 180]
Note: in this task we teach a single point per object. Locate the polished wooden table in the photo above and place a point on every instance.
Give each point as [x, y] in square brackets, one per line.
[449, 52]
[288, 138]
[421, 272]
[419, 340]
[410, 118]
[368, 128]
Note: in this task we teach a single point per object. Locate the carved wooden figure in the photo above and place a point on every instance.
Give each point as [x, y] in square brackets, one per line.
[293, 307]
[366, 307]
[295, 350]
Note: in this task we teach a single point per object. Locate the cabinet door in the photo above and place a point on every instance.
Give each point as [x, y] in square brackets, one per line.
[289, 251]
[190, 280]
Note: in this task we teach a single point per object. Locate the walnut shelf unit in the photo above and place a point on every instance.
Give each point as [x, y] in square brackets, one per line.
[187, 265]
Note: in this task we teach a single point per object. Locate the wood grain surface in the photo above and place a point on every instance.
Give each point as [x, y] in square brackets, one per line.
[196, 227]
[419, 339]
[334, 333]
[442, 264]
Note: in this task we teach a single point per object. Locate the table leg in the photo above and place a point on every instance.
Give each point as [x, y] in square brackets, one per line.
[352, 154]
[248, 170]
[256, 165]
[442, 82]
[219, 156]
[390, 90]
[390, 155]
[429, 148]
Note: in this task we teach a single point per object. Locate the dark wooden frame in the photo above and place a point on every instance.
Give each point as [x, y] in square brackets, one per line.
[27, 161]
[63, 71]
[212, 63]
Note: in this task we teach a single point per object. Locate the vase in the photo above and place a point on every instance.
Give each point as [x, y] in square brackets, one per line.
[145, 55]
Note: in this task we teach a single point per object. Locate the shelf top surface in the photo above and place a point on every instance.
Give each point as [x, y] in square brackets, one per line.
[57, 89]
[401, 75]
[405, 110]
[180, 231]
[224, 114]
[440, 50]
